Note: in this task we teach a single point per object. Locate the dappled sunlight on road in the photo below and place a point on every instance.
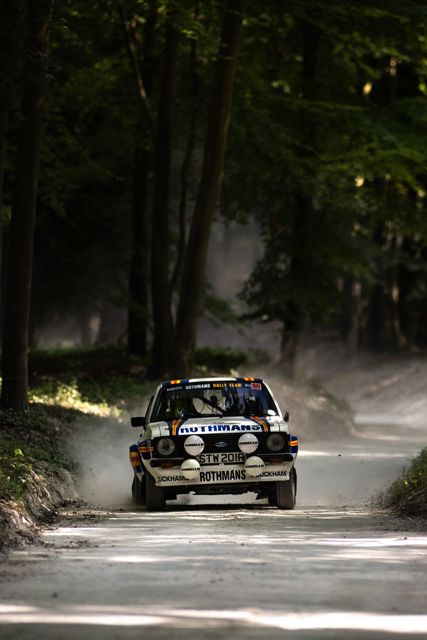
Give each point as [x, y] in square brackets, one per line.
[193, 571]
[124, 616]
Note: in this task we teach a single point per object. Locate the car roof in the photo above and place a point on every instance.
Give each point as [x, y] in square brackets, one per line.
[168, 383]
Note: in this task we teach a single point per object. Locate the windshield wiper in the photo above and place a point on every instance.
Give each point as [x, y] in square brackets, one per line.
[214, 406]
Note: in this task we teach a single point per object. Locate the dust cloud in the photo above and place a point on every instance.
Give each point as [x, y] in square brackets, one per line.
[101, 448]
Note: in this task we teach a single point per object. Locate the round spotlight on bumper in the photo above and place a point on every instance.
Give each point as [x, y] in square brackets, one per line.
[248, 443]
[194, 445]
[190, 469]
[254, 466]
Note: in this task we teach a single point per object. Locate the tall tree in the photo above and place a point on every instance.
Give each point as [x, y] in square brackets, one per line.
[304, 225]
[17, 310]
[187, 159]
[143, 61]
[12, 38]
[160, 242]
[211, 175]
[138, 303]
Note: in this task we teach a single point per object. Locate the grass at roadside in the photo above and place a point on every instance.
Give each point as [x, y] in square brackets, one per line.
[101, 381]
[32, 443]
[408, 495]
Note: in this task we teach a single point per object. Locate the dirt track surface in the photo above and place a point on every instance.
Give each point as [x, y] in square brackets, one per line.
[333, 568]
[221, 573]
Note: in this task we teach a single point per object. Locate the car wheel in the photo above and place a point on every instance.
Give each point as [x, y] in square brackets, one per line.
[138, 492]
[286, 492]
[154, 496]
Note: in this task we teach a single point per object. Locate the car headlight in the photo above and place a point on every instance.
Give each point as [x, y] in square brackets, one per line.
[275, 442]
[165, 446]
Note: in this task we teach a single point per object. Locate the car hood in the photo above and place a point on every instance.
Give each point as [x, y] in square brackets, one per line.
[216, 426]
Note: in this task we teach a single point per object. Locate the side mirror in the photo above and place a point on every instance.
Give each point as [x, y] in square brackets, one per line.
[137, 422]
[286, 416]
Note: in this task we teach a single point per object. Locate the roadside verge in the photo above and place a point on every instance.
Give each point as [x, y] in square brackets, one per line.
[36, 472]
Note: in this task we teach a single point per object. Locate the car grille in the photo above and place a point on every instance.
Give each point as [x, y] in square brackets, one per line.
[229, 439]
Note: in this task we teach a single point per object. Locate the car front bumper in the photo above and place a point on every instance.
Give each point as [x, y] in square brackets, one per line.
[221, 474]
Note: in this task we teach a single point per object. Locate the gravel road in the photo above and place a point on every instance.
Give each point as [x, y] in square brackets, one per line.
[333, 568]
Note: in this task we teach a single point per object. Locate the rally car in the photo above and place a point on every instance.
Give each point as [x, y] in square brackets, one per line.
[213, 436]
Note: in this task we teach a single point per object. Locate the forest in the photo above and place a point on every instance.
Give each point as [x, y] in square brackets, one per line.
[128, 128]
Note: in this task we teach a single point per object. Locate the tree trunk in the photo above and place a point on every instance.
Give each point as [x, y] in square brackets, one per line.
[375, 322]
[139, 264]
[405, 279]
[375, 316]
[15, 335]
[186, 163]
[349, 319]
[210, 182]
[289, 347]
[304, 223]
[143, 64]
[160, 288]
[393, 296]
[3, 142]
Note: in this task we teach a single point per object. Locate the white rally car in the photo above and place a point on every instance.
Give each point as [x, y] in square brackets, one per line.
[213, 436]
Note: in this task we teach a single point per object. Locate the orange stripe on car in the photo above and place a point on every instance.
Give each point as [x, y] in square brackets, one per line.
[175, 425]
[260, 421]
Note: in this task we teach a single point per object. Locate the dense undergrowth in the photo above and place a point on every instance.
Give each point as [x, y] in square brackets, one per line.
[34, 443]
[105, 381]
[408, 494]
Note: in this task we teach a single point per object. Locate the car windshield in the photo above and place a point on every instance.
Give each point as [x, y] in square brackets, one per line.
[213, 399]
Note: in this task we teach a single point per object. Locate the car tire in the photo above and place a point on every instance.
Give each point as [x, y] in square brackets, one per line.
[286, 491]
[154, 496]
[138, 491]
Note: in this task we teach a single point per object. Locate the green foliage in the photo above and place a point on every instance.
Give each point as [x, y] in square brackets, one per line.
[96, 361]
[331, 93]
[408, 495]
[13, 33]
[324, 154]
[219, 360]
[220, 309]
[97, 381]
[13, 470]
[31, 443]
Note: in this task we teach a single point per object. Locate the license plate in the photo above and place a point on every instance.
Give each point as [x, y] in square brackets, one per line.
[221, 458]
